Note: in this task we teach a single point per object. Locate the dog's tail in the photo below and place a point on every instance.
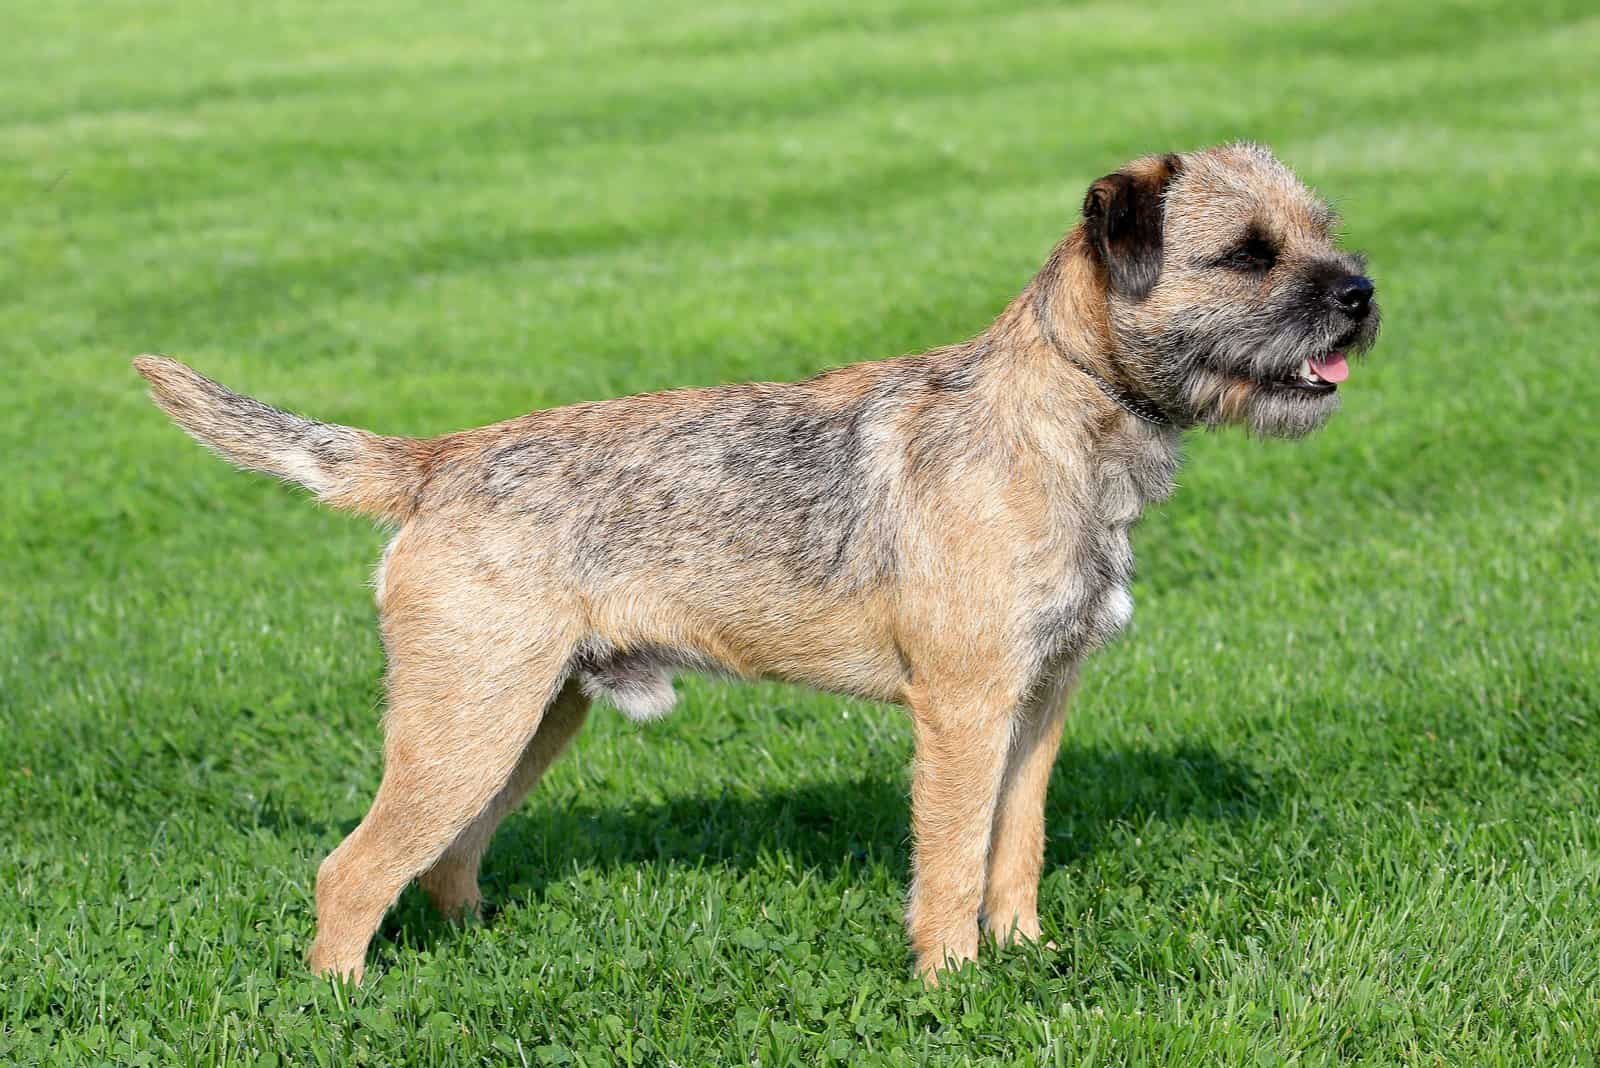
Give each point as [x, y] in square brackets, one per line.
[345, 467]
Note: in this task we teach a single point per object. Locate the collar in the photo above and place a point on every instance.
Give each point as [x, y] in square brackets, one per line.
[1138, 407]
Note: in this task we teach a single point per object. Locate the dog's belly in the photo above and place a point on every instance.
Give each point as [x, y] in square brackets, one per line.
[639, 681]
[640, 643]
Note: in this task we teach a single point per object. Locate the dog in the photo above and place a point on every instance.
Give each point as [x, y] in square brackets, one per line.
[946, 531]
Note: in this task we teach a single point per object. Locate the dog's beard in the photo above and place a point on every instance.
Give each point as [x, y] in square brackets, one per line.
[1217, 399]
[1264, 373]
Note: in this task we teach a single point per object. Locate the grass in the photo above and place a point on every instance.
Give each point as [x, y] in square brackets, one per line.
[1332, 798]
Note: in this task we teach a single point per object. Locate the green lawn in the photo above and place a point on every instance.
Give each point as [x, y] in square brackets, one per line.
[1334, 796]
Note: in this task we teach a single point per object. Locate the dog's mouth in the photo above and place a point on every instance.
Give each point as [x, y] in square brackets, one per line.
[1318, 376]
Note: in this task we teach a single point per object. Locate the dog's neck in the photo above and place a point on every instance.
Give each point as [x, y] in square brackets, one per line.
[1063, 310]
[1043, 371]
[1054, 340]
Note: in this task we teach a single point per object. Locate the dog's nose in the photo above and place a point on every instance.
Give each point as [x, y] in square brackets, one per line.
[1353, 295]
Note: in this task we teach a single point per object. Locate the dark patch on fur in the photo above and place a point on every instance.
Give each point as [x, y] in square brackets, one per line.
[765, 473]
[1122, 216]
[1257, 250]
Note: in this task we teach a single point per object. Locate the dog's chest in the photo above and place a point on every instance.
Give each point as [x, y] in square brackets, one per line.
[1087, 599]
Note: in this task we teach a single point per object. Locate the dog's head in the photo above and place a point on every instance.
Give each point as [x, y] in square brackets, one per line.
[1227, 298]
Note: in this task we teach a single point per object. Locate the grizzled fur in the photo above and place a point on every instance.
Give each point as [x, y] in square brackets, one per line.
[948, 531]
[1202, 337]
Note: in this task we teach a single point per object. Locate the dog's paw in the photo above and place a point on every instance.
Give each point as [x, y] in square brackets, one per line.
[326, 964]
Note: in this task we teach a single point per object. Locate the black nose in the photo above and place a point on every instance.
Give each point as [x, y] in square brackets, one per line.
[1353, 295]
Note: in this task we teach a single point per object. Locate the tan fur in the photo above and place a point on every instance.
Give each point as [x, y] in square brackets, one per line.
[946, 531]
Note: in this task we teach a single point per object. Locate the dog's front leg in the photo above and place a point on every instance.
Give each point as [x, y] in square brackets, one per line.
[962, 741]
[1016, 853]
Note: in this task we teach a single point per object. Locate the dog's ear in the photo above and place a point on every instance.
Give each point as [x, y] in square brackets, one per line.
[1122, 221]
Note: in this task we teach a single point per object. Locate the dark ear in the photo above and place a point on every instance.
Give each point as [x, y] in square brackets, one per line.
[1122, 221]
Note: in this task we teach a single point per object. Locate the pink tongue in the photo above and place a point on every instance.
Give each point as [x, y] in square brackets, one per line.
[1332, 367]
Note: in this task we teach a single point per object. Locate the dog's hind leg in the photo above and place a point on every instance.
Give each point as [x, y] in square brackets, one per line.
[452, 882]
[468, 688]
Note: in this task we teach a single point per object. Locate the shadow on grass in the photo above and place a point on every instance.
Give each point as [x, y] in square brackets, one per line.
[828, 825]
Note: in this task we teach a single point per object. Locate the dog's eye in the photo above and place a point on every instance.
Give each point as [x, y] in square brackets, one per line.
[1253, 255]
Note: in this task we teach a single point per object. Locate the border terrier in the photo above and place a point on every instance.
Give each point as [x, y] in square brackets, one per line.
[946, 531]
